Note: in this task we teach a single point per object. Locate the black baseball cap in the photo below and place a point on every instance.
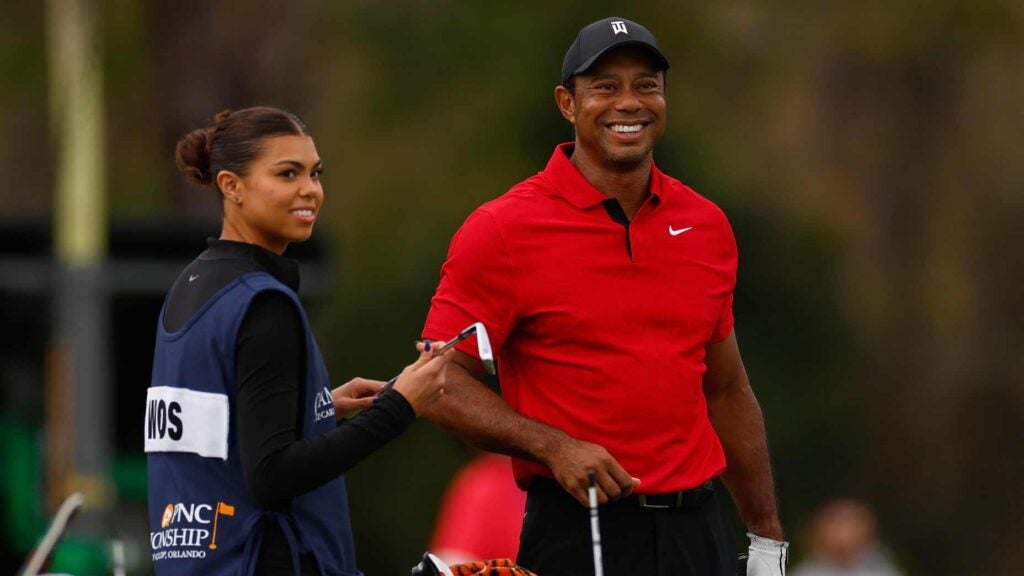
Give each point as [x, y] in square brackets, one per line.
[597, 38]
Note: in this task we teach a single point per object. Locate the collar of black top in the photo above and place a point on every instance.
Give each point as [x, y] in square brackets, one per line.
[285, 270]
[597, 38]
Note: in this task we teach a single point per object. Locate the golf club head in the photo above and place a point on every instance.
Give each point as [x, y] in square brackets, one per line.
[431, 566]
[483, 347]
[483, 344]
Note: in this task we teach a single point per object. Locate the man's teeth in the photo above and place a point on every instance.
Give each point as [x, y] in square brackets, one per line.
[302, 212]
[626, 128]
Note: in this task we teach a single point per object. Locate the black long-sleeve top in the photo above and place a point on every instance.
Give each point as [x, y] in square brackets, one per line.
[270, 370]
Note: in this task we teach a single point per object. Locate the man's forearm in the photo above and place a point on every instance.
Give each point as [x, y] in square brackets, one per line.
[737, 418]
[470, 410]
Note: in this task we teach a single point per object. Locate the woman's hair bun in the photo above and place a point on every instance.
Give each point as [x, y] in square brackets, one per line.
[221, 116]
[193, 156]
[232, 142]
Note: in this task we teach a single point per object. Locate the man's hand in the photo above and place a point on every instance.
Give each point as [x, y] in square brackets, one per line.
[573, 459]
[471, 410]
[356, 394]
[766, 557]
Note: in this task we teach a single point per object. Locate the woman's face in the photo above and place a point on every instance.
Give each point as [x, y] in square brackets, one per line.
[278, 199]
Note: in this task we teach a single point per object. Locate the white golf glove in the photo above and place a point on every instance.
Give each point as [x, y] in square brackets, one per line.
[766, 557]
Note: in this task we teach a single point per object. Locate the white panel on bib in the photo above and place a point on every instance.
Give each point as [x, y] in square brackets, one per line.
[183, 420]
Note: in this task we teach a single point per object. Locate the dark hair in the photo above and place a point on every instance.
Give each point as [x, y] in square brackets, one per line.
[570, 85]
[233, 141]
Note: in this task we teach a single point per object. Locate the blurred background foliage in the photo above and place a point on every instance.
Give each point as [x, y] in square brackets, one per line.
[868, 154]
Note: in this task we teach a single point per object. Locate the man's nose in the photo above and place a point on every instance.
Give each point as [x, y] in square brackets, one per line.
[628, 101]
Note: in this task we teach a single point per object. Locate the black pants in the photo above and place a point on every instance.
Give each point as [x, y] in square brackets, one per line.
[556, 540]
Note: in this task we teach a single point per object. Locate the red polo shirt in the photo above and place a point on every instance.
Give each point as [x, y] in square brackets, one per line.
[599, 329]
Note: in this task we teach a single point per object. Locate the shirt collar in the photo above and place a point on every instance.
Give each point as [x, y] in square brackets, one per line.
[285, 270]
[567, 180]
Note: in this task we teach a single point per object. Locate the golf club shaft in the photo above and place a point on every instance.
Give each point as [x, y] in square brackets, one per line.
[595, 528]
[391, 383]
[42, 552]
[462, 336]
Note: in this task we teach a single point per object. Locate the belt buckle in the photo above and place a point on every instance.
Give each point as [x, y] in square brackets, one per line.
[643, 503]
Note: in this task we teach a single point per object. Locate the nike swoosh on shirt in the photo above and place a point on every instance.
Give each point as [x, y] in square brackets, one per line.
[675, 232]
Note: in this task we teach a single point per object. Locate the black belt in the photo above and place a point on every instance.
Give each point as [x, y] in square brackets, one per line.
[691, 498]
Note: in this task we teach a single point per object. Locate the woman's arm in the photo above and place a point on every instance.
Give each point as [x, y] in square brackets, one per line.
[270, 363]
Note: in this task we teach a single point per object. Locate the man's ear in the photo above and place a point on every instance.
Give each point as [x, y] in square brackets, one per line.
[566, 103]
[230, 186]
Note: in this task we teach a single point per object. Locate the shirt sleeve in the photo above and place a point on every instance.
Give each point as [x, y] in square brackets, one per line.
[477, 285]
[726, 322]
[270, 364]
[730, 259]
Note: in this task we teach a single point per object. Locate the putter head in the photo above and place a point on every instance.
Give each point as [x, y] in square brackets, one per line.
[483, 347]
[431, 566]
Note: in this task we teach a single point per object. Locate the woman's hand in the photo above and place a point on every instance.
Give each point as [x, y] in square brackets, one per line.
[356, 394]
[422, 382]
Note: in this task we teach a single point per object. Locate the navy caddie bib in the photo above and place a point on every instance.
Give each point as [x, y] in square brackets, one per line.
[202, 519]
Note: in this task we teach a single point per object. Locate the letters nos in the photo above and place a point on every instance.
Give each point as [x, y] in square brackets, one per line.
[164, 420]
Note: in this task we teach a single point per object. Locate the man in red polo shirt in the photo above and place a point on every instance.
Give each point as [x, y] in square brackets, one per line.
[607, 287]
